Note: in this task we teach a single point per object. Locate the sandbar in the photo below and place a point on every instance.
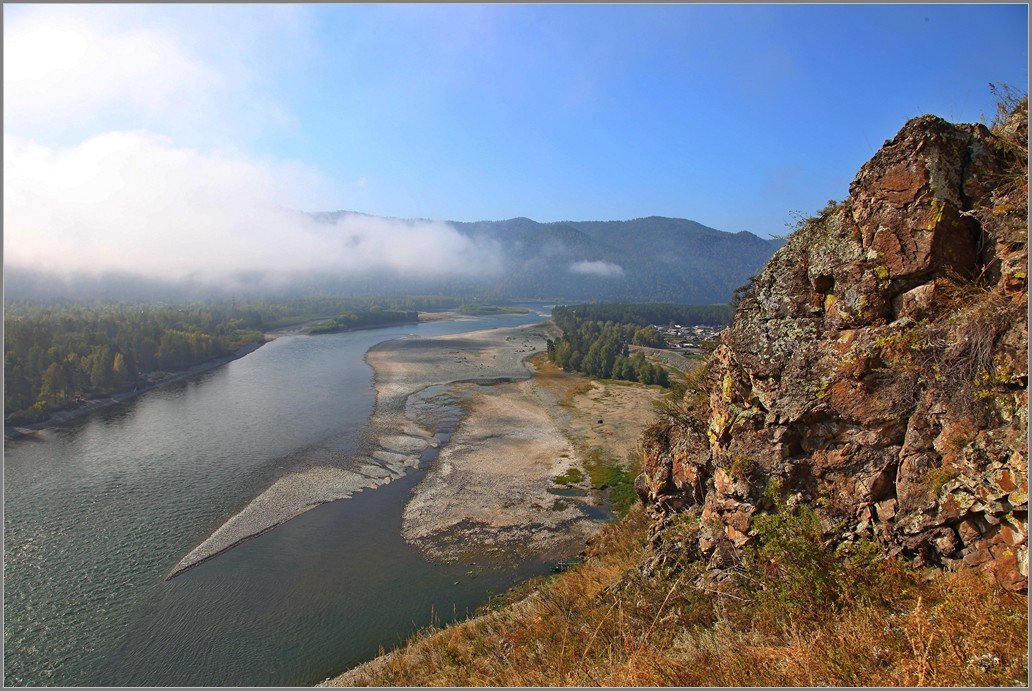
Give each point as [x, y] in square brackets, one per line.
[413, 403]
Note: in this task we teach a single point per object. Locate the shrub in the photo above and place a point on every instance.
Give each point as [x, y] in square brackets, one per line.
[795, 576]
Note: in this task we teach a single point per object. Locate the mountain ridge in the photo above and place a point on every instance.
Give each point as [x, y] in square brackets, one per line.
[648, 259]
[659, 258]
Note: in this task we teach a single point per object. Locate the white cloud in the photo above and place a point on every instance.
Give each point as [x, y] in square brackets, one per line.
[63, 70]
[200, 73]
[600, 267]
[126, 132]
[136, 202]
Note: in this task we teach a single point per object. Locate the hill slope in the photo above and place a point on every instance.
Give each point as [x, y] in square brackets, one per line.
[652, 259]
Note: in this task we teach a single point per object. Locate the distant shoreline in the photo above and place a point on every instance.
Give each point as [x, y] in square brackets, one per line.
[60, 417]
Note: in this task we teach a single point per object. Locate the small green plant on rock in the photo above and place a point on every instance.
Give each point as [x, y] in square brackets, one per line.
[937, 478]
[745, 468]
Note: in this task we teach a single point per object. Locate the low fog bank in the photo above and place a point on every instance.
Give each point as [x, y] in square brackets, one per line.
[131, 215]
[37, 285]
[643, 260]
[133, 202]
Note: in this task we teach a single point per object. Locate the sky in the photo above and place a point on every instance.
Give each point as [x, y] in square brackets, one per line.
[186, 137]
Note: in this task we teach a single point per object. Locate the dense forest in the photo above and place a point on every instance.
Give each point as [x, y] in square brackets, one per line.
[55, 356]
[58, 355]
[596, 337]
[600, 349]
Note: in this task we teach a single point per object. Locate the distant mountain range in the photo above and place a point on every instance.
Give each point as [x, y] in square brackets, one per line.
[653, 259]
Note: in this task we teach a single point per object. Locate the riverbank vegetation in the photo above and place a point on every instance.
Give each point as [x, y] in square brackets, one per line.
[56, 356]
[478, 310]
[596, 338]
[348, 321]
[600, 349]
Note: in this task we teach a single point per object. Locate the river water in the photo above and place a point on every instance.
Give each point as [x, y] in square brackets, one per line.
[98, 512]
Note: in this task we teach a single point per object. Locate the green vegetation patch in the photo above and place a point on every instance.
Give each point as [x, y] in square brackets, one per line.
[596, 338]
[488, 310]
[572, 476]
[937, 478]
[348, 321]
[607, 473]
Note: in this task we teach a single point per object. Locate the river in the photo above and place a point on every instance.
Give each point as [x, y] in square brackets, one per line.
[97, 512]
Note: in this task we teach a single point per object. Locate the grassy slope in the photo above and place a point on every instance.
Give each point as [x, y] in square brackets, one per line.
[604, 623]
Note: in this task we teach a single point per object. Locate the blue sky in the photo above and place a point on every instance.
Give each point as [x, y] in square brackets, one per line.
[731, 115]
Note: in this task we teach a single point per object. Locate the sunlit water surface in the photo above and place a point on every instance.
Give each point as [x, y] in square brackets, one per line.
[97, 514]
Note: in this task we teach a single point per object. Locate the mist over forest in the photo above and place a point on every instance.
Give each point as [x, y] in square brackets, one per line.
[650, 259]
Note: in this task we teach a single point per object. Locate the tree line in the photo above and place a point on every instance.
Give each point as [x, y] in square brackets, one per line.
[596, 338]
[58, 354]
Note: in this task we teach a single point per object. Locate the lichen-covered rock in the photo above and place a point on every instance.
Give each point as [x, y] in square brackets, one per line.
[877, 367]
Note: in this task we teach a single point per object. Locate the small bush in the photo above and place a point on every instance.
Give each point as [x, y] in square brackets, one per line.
[745, 468]
[794, 576]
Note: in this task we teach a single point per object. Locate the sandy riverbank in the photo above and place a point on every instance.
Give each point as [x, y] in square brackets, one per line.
[413, 404]
[489, 489]
[494, 433]
[493, 486]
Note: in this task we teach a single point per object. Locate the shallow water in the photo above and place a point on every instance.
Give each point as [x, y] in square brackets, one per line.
[96, 514]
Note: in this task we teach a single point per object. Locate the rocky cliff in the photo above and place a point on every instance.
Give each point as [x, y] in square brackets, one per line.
[877, 368]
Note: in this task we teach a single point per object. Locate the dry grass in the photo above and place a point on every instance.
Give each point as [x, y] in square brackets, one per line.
[688, 401]
[604, 623]
[565, 385]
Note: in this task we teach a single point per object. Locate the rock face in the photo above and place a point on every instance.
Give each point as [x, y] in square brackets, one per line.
[877, 367]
